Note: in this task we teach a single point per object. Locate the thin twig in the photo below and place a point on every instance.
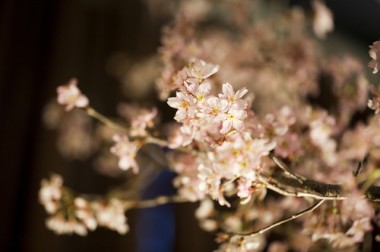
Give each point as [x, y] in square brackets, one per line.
[360, 166]
[278, 223]
[145, 139]
[95, 114]
[294, 216]
[154, 202]
[285, 168]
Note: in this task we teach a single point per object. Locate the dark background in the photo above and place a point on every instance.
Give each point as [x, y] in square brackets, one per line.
[43, 43]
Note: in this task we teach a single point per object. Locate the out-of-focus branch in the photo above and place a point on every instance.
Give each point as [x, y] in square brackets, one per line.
[111, 124]
[148, 139]
[161, 200]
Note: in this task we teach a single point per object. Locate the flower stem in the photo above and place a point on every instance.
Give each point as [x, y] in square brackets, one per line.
[162, 200]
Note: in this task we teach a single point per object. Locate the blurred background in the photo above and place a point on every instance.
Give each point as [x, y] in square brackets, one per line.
[43, 44]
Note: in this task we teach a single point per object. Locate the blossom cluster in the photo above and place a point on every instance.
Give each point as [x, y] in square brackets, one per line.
[202, 114]
[76, 214]
[217, 123]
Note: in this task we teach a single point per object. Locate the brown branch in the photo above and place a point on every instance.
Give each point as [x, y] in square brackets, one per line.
[161, 200]
[292, 186]
[293, 191]
[285, 168]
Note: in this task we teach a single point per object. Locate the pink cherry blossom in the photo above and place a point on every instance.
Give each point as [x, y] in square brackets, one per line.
[126, 152]
[245, 189]
[374, 52]
[210, 184]
[234, 120]
[51, 192]
[374, 103]
[214, 109]
[111, 215]
[234, 98]
[71, 96]
[359, 228]
[60, 225]
[200, 92]
[139, 118]
[200, 70]
[185, 104]
[84, 213]
[323, 22]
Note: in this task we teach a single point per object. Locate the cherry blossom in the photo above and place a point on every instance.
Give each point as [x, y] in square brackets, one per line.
[84, 213]
[374, 103]
[184, 103]
[214, 109]
[323, 22]
[126, 152]
[210, 183]
[111, 215]
[200, 92]
[60, 225]
[233, 98]
[50, 193]
[374, 52]
[245, 189]
[200, 70]
[234, 120]
[139, 118]
[70, 96]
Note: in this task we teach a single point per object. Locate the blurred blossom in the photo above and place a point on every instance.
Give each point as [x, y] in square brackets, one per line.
[208, 225]
[205, 209]
[357, 207]
[241, 243]
[204, 214]
[374, 53]
[359, 228]
[84, 213]
[75, 139]
[107, 164]
[50, 193]
[196, 9]
[52, 115]
[139, 118]
[200, 70]
[374, 103]
[323, 19]
[126, 151]
[111, 215]
[278, 247]
[70, 96]
[60, 226]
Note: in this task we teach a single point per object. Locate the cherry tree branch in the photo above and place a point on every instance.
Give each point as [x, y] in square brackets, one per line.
[111, 124]
[285, 168]
[148, 139]
[161, 200]
[280, 222]
[292, 186]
